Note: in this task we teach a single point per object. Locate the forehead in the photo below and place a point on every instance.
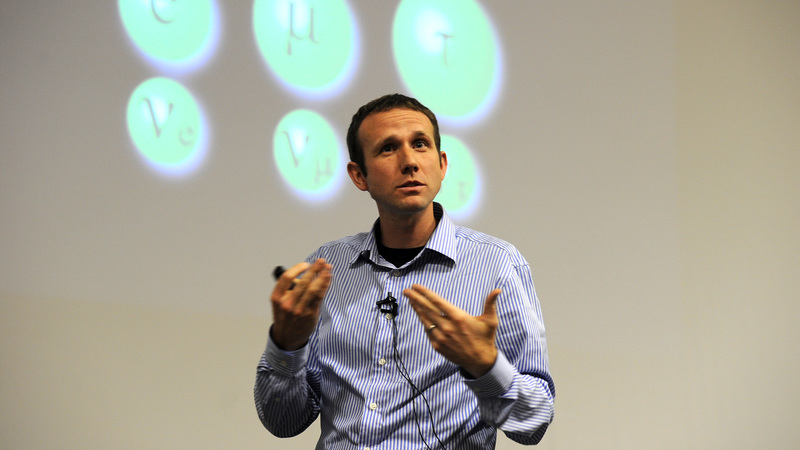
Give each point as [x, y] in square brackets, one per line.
[395, 123]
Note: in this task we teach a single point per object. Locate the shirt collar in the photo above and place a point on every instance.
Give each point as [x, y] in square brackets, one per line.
[442, 241]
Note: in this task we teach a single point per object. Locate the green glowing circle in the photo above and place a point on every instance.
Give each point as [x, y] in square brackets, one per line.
[307, 43]
[460, 186]
[446, 53]
[167, 29]
[306, 151]
[164, 121]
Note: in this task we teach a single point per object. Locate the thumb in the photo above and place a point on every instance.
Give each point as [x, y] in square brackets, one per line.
[490, 307]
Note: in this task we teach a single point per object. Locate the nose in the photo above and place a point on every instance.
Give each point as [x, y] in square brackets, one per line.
[408, 160]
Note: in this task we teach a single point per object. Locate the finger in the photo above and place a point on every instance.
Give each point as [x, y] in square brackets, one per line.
[303, 278]
[318, 286]
[427, 324]
[425, 308]
[287, 278]
[315, 284]
[490, 307]
[437, 305]
[420, 305]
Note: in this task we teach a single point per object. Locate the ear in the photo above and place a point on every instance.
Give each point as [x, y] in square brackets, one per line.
[357, 176]
[443, 163]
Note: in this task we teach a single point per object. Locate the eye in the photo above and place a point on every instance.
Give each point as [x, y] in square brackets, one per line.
[386, 148]
[420, 143]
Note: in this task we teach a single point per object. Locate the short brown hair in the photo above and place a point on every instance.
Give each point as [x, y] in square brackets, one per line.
[382, 104]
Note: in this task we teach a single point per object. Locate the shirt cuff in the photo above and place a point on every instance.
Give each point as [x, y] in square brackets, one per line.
[286, 363]
[494, 383]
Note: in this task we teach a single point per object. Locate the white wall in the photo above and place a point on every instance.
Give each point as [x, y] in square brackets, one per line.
[653, 147]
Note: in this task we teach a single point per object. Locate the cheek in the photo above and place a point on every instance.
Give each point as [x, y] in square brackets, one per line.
[436, 170]
[376, 177]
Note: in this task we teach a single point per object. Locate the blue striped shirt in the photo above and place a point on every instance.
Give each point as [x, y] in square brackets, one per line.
[349, 373]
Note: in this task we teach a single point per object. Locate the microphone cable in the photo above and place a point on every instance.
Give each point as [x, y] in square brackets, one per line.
[407, 376]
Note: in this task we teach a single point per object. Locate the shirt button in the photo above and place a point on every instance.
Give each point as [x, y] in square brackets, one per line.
[382, 361]
[373, 406]
[396, 273]
[389, 316]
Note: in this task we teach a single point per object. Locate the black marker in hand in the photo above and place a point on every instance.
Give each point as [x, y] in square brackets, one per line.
[277, 272]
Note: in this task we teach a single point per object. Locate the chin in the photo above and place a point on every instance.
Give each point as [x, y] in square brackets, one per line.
[415, 207]
[404, 208]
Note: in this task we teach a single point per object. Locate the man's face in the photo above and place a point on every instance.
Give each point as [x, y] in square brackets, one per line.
[404, 168]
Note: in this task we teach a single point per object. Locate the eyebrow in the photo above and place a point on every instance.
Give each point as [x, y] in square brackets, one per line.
[394, 138]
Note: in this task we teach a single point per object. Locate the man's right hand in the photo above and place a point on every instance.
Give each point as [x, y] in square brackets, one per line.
[296, 303]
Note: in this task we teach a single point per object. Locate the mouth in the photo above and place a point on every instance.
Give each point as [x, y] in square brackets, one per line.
[411, 184]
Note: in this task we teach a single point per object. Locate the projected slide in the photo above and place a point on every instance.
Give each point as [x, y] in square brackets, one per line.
[446, 54]
[310, 46]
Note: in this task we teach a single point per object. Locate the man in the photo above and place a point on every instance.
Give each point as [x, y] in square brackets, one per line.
[417, 334]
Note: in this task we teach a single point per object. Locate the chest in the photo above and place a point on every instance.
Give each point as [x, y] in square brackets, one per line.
[355, 335]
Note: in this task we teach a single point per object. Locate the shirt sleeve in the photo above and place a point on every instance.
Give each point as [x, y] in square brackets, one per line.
[517, 394]
[286, 402]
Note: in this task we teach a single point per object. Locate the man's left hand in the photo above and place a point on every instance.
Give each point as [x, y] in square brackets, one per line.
[465, 340]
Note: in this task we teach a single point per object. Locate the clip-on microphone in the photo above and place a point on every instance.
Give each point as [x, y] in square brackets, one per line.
[388, 305]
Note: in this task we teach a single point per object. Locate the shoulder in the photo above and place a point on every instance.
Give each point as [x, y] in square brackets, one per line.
[468, 239]
[353, 241]
[345, 247]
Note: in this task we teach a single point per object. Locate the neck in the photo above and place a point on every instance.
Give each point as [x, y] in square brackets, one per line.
[407, 231]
